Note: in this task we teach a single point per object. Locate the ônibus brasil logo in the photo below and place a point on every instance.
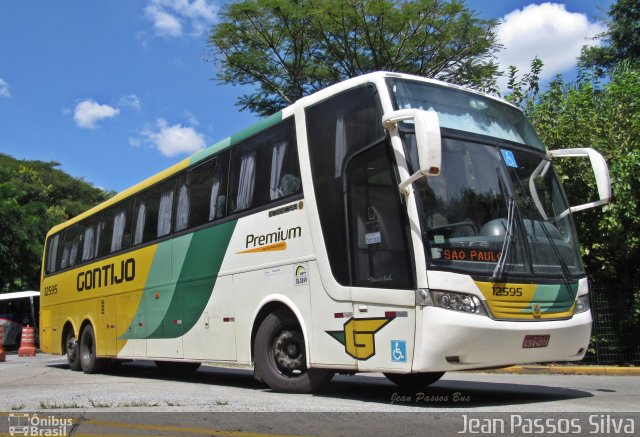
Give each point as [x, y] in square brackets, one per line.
[24, 424]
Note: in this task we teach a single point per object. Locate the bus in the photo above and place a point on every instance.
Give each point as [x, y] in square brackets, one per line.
[17, 310]
[388, 223]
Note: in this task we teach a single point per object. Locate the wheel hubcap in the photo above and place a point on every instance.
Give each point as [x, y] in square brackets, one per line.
[288, 352]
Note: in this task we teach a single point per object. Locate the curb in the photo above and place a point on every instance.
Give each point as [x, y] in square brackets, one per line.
[567, 370]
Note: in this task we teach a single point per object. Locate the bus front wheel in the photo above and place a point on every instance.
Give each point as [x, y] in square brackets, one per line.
[414, 380]
[71, 348]
[280, 356]
[89, 362]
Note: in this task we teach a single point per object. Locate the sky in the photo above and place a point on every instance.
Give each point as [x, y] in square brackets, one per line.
[118, 90]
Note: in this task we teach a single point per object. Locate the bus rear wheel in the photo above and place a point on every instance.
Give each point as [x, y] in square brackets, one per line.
[414, 380]
[71, 349]
[89, 361]
[280, 356]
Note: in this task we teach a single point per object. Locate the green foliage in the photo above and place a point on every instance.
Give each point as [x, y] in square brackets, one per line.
[34, 196]
[607, 118]
[524, 90]
[293, 48]
[621, 42]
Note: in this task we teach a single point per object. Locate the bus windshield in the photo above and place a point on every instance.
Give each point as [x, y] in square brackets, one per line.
[491, 196]
[466, 111]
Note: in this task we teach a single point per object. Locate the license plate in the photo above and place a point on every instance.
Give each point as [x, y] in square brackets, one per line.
[532, 341]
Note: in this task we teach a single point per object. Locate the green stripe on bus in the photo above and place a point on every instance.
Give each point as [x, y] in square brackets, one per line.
[259, 126]
[236, 138]
[554, 298]
[156, 296]
[205, 153]
[196, 280]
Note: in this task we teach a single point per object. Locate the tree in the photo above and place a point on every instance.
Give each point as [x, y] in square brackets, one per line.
[621, 40]
[291, 48]
[605, 116]
[34, 196]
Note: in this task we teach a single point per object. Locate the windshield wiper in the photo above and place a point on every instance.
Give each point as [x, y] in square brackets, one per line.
[535, 207]
[511, 213]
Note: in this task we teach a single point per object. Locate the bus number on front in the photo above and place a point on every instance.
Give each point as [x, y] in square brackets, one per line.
[51, 289]
[507, 291]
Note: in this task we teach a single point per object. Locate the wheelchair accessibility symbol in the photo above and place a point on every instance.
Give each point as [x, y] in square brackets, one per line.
[398, 351]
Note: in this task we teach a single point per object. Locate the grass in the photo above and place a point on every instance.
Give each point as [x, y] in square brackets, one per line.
[98, 404]
[46, 405]
[17, 407]
[139, 404]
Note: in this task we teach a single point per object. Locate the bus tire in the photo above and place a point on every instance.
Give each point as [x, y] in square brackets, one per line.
[177, 366]
[89, 362]
[71, 351]
[280, 356]
[414, 380]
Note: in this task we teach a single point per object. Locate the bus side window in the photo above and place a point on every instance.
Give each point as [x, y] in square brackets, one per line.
[265, 168]
[243, 163]
[182, 206]
[91, 239]
[164, 212]
[154, 212]
[201, 194]
[117, 228]
[72, 239]
[218, 189]
[337, 129]
[52, 253]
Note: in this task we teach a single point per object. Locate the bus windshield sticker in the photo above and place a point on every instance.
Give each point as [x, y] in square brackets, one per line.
[509, 158]
[373, 238]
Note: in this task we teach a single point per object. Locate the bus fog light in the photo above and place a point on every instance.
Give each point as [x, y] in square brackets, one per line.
[464, 303]
[582, 304]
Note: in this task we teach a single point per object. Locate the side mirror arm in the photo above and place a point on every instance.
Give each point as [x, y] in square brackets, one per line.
[428, 141]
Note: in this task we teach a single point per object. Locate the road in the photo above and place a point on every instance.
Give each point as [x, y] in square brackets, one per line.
[135, 392]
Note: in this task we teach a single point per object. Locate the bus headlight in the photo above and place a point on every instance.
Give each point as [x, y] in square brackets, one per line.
[465, 303]
[582, 304]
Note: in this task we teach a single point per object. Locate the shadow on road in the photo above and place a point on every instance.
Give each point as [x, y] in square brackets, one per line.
[447, 393]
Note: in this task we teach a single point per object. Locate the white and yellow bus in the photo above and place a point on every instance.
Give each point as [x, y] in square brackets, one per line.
[389, 223]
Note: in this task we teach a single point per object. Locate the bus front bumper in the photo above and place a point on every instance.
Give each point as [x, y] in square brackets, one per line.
[448, 340]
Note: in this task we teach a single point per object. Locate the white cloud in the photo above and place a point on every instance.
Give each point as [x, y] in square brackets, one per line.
[4, 88]
[170, 140]
[547, 31]
[131, 101]
[88, 112]
[172, 18]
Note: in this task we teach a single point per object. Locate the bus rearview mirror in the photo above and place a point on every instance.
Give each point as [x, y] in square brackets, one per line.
[600, 171]
[428, 140]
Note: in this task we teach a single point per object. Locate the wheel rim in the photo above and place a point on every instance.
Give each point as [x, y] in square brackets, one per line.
[289, 353]
[72, 349]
